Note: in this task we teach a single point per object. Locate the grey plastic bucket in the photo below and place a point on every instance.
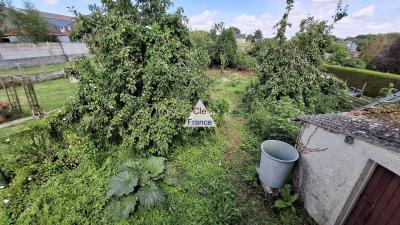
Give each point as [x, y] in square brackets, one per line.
[277, 160]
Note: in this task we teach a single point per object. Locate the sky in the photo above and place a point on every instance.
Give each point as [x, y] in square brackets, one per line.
[365, 16]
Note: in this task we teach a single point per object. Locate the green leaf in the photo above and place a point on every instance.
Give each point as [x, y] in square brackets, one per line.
[293, 198]
[123, 183]
[280, 204]
[122, 208]
[155, 165]
[151, 195]
[286, 192]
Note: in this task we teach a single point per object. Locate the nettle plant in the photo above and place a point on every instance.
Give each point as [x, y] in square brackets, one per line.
[136, 184]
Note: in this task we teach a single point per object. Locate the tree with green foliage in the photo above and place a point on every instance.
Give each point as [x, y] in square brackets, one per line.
[217, 30]
[355, 62]
[338, 54]
[258, 35]
[203, 40]
[226, 45]
[236, 30]
[29, 24]
[144, 79]
[2, 17]
[295, 68]
[388, 59]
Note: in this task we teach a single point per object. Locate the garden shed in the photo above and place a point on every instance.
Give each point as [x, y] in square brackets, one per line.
[349, 168]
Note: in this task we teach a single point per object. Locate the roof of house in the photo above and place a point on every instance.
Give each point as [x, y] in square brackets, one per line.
[56, 16]
[351, 46]
[57, 20]
[374, 127]
[239, 36]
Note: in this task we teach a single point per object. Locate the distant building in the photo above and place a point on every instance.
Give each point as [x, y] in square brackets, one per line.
[352, 47]
[60, 27]
[240, 38]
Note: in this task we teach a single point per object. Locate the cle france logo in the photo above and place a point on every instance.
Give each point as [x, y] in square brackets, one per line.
[199, 117]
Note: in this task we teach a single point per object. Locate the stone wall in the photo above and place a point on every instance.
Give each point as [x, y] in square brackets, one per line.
[29, 54]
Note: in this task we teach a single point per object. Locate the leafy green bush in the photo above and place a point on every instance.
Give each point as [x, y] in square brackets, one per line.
[28, 148]
[338, 54]
[246, 62]
[358, 77]
[287, 199]
[294, 69]
[145, 78]
[355, 62]
[225, 44]
[387, 91]
[203, 40]
[271, 122]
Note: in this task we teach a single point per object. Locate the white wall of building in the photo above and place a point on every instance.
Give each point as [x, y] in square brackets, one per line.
[327, 178]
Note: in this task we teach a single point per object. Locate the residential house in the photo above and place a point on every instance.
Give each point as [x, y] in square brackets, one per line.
[352, 48]
[60, 27]
[240, 39]
[348, 171]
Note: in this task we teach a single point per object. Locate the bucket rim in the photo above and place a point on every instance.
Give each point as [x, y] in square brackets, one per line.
[280, 160]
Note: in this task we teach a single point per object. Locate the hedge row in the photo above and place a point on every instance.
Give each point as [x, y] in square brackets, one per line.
[357, 78]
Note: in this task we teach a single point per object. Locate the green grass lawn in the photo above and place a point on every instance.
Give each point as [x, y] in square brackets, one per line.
[50, 94]
[33, 69]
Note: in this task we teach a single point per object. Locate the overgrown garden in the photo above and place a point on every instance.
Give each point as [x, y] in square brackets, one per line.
[118, 152]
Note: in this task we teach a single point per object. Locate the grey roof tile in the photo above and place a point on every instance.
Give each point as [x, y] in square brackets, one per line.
[371, 131]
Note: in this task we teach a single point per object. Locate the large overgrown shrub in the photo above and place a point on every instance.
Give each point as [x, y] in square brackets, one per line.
[388, 58]
[294, 68]
[143, 80]
[272, 122]
[225, 45]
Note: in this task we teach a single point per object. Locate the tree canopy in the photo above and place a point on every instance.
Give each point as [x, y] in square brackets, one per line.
[144, 80]
[29, 23]
[294, 68]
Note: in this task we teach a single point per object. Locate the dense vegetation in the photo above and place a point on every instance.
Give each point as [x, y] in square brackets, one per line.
[223, 49]
[131, 103]
[118, 148]
[376, 52]
[302, 87]
[374, 80]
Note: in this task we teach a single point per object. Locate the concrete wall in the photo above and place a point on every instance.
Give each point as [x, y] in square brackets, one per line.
[63, 39]
[29, 54]
[328, 180]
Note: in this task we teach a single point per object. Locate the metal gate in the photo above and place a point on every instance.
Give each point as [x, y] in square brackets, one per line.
[379, 203]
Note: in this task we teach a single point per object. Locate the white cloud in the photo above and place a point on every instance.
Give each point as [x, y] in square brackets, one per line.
[203, 21]
[51, 2]
[364, 21]
[249, 23]
[365, 12]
